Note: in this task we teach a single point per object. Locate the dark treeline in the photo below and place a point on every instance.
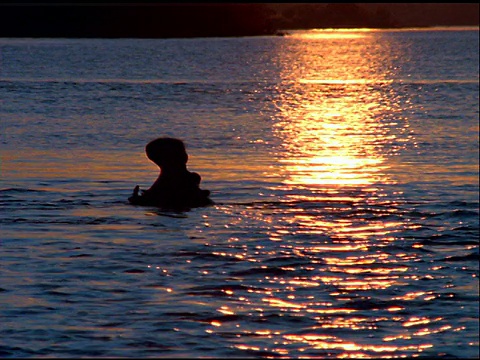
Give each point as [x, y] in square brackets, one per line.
[123, 20]
[374, 15]
[163, 20]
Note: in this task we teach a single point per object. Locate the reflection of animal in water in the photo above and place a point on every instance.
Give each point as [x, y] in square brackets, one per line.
[176, 187]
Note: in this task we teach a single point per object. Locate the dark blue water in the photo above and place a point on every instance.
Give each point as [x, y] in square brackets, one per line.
[344, 169]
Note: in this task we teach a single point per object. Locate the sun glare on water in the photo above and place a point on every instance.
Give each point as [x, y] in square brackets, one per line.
[333, 120]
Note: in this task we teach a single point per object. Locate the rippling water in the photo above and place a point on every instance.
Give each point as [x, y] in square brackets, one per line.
[344, 168]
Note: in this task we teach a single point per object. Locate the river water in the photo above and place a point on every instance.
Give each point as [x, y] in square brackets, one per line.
[344, 170]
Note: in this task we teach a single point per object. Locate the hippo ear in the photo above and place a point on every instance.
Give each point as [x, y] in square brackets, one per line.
[196, 178]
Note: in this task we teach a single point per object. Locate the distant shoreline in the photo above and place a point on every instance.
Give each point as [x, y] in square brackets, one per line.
[279, 33]
[195, 20]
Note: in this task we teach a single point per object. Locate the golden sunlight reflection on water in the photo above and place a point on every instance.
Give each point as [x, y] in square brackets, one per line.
[334, 125]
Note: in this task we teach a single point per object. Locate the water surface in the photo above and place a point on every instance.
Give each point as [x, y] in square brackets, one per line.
[343, 165]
